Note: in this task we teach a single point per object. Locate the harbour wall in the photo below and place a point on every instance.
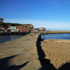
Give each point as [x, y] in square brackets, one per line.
[14, 33]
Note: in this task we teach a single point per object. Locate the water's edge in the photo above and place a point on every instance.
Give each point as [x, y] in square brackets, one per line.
[56, 36]
[9, 37]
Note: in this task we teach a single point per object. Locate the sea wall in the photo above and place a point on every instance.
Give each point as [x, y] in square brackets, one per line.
[53, 32]
[14, 33]
[20, 53]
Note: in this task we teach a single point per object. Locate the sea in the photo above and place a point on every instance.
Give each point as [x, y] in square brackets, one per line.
[47, 36]
[56, 36]
[9, 37]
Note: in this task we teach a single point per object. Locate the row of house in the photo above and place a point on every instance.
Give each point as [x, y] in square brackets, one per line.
[20, 29]
[14, 29]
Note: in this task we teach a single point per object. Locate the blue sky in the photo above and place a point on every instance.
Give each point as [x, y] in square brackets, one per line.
[51, 14]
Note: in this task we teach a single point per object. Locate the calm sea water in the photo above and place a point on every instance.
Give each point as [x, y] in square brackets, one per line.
[9, 37]
[56, 36]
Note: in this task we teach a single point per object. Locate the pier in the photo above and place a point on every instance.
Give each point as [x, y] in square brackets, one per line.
[20, 54]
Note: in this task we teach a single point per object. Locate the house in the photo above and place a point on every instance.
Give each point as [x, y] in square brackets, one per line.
[23, 29]
[1, 28]
[41, 29]
[13, 29]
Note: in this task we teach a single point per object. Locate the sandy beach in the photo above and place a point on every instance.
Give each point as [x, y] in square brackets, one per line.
[57, 51]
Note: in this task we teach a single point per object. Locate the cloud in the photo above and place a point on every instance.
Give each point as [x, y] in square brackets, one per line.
[40, 23]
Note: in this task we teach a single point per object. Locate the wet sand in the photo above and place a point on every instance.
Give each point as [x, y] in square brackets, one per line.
[57, 51]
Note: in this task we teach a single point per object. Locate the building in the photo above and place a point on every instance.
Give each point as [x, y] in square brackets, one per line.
[1, 19]
[23, 29]
[41, 29]
[13, 29]
[1, 28]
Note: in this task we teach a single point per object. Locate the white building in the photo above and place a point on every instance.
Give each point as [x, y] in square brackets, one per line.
[13, 29]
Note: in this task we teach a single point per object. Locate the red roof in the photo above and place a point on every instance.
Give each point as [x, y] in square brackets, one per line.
[1, 27]
[20, 26]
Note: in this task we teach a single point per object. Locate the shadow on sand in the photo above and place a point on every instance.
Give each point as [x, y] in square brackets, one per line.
[5, 66]
[46, 65]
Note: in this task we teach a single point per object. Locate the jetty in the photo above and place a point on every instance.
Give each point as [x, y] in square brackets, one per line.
[20, 54]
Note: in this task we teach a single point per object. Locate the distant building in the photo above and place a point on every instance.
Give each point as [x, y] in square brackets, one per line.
[41, 29]
[49, 29]
[1, 19]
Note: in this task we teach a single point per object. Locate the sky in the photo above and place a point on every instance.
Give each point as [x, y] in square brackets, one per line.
[51, 14]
